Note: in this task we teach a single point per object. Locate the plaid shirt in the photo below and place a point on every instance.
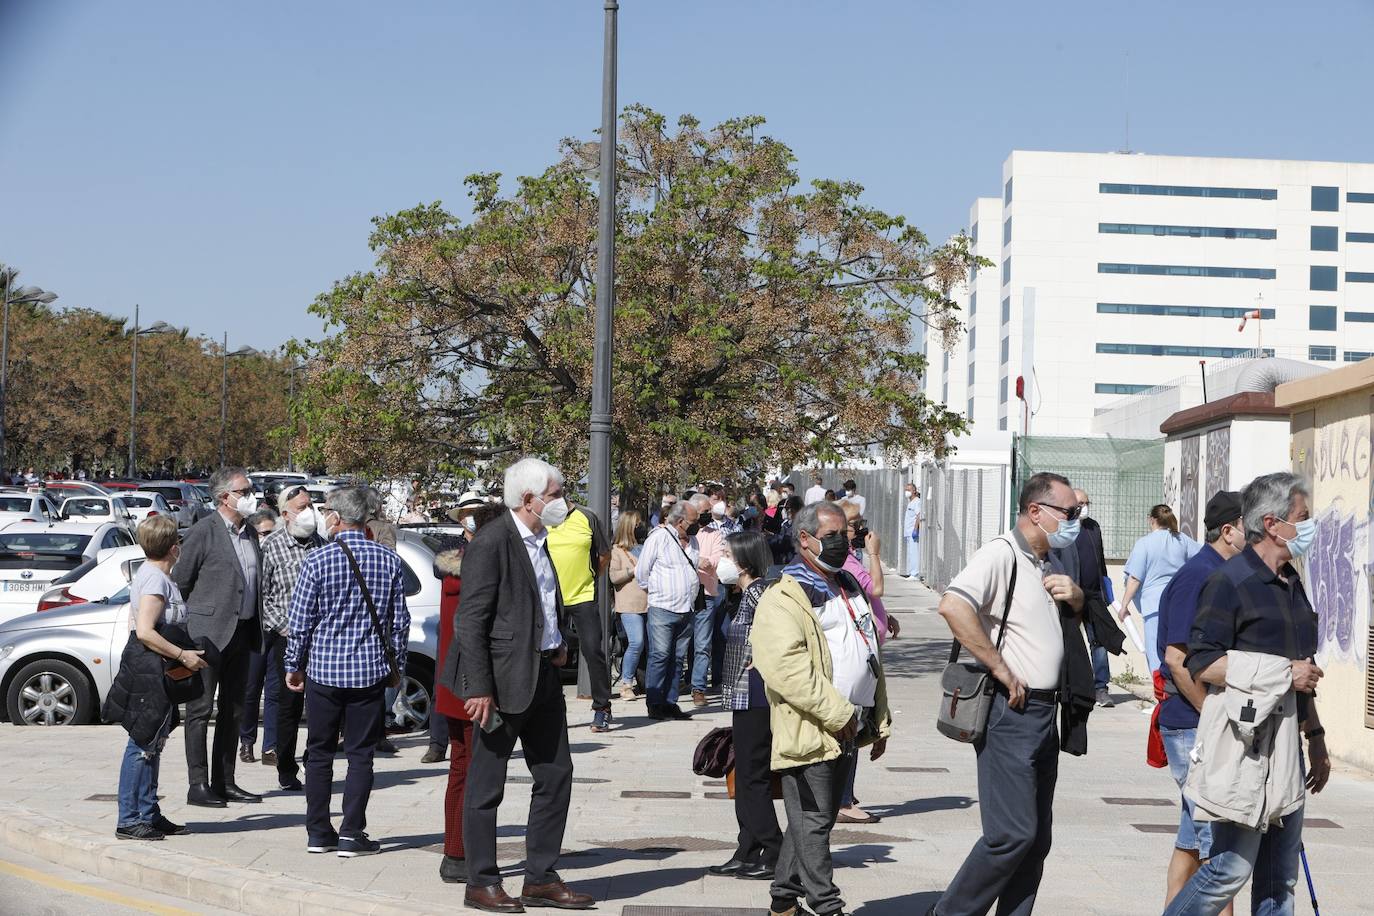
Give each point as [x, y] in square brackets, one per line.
[329, 621]
[739, 654]
[282, 556]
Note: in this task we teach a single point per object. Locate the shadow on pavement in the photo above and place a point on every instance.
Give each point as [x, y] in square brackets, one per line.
[923, 806]
[909, 905]
[914, 657]
[862, 856]
[246, 822]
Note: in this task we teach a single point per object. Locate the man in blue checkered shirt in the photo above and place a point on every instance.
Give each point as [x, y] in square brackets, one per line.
[336, 655]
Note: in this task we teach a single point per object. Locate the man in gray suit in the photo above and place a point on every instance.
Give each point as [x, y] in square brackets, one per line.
[218, 576]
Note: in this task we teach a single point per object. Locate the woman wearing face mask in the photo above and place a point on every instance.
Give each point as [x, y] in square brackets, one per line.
[1154, 560]
[743, 569]
[631, 601]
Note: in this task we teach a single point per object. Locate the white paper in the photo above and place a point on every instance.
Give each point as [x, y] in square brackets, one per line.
[1133, 631]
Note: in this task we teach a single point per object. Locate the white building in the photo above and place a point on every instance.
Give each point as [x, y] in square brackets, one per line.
[1128, 270]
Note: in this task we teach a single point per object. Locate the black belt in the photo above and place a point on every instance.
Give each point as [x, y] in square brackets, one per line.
[1044, 696]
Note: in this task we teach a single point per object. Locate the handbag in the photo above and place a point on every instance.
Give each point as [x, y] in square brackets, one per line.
[395, 678]
[966, 688]
[715, 753]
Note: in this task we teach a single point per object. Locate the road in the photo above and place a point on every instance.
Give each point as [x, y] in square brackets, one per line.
[33, 887]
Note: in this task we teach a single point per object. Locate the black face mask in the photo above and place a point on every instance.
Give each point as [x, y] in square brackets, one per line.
[834, 549]
[641, 532]
[693, 528]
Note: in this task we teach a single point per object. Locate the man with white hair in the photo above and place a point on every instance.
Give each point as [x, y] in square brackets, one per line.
[667, 570]
[510, 646]
[705, 629]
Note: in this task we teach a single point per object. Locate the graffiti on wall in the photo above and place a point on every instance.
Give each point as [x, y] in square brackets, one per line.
[1342, 452]
[1218, 461]
[1335, 572]
[1187, 518]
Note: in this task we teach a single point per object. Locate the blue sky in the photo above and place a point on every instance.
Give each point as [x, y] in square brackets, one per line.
[219, 163]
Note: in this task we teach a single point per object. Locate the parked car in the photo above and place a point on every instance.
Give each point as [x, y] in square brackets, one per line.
[183, 498]
[97, 579]
[61, 490]
[144, 504]
[24, 506]
[98, 510]
[33, 554]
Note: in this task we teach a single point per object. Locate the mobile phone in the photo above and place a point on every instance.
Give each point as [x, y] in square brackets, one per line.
[494, 723]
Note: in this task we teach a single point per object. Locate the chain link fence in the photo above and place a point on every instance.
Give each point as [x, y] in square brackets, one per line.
[1123, 479]
[964, 507]
[884, 502]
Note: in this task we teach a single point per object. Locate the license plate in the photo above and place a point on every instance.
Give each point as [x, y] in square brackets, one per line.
[25, 586]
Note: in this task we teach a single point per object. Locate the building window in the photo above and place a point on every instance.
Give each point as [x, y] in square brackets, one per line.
[1113, 388]
[972, 304]
[1173, 190]
[1188, 270]
[1359, 236]
[1359, 197]
[1367, 317]
[970, 375]
[1177, 311]
[1002, 423]
[1324, 238]
[1006, 272]
[1321, 354]
[1002, 390]
[1195, 232]
[1006, 310]
[1326, 199]
[1006, 192]
[1006, 232]
[969, 414]
[973, 234]
[1321, 318]
[1356, 276]
[1006, 350]
[1323, 278]
[1356, 356]
[1120, 349]
[972, 340]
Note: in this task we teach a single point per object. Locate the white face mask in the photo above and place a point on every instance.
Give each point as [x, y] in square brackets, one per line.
[322, 524]
[555, 513]
[726, 571]
[718, 509]
[470, 524]
[304, 524]
[246, 505]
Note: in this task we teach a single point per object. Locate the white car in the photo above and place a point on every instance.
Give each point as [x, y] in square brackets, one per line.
[146, 504]
[98, 510]
[95, 580]
[33, 554]
[24, 506]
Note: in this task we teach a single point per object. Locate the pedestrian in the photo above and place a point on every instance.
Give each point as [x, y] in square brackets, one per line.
[744, 568]
[448, 706]
[783, 544]
[259, 690]
[631, 600]
[218, 573]
[817, 491]
[1018, 756]
[349, 631]
[381, 530]
[283, 552]
[581, 552]
[1092, 564]
[1153, 561]
[852, 494]
[656, 518]
[1177, 715]
[911, 524]
[708, 643]
[1255, 629]
[667, 571]
[141, 703]
[510, 647]
[815, 646]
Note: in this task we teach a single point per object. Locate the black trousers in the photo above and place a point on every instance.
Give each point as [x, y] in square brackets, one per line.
[543, 734]
[589, 635]
[230, 681]
[759, 835]
[358, 712]
[290, 707]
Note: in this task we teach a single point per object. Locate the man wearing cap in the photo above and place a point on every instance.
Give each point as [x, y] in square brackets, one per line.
[1178, 713]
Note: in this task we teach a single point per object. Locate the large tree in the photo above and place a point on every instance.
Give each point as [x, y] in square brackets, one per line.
[758, 321]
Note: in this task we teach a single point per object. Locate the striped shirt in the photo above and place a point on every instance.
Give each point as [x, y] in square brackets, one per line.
[329, 621]
[668, 571]
[282, 555]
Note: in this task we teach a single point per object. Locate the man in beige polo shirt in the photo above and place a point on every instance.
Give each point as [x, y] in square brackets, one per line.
[1018, 758]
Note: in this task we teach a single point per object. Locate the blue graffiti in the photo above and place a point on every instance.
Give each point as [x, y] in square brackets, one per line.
[1332, 573]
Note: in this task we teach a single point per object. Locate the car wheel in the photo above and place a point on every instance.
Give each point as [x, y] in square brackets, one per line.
[50, 692]
[415, 697]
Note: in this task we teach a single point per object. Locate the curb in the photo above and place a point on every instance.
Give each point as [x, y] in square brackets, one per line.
[190, 877]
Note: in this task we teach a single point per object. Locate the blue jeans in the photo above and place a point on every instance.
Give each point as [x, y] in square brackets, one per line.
[669, 635]
[1102, 672]
[262, 684]
[1237, 852]
[138, 781]
[1193, 834]
[633, 625]
[703, 628]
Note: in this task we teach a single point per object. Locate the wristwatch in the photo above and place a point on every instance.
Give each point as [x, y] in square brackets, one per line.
[1316, 733]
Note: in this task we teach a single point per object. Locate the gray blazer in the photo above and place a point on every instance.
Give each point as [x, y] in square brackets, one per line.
[211, 581]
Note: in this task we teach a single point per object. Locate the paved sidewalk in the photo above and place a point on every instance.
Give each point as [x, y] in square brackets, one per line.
[631, 847]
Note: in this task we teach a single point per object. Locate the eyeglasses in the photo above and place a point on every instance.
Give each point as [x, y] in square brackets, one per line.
[1070, 513]
[246, 491]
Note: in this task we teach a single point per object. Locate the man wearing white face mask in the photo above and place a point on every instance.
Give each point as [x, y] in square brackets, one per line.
[283, 552]
[218, 574]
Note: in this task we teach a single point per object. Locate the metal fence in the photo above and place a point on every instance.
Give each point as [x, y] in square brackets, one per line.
[1123, 479]
[964, 508]
[884, 502]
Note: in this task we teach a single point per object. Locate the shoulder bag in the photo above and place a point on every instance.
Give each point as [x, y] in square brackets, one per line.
[394, 680]
[966, 688]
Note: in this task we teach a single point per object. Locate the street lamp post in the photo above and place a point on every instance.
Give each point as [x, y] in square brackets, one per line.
[159, 327]
[21, 296]
[599, 465]
[224, 391]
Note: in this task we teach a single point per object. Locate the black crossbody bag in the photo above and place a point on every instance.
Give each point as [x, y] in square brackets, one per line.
[394, 680]
[967, 688]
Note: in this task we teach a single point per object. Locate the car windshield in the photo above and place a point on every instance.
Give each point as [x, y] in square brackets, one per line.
[43, 542]
[138, 502]
[169, 493]
[15, 503]
[75, 507]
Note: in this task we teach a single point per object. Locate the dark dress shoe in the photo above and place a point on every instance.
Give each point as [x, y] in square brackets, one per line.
[453, 870]
[246, 753]
[290, 785]
[729, 868]
[756, 871]
[434, 754]
[673, 711]
[235, 794]
[557, 894]
[491, 899]
[269, 758]
[203, 796]
[384, 746]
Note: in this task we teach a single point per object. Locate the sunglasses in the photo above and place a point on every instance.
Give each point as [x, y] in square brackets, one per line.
[1070, 513]
[294, 492]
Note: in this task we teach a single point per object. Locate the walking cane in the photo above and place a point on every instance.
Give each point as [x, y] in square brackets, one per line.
[1306, 870]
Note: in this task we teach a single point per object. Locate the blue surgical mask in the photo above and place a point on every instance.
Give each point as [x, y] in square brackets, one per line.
[1064, 535]
[1302, 541]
